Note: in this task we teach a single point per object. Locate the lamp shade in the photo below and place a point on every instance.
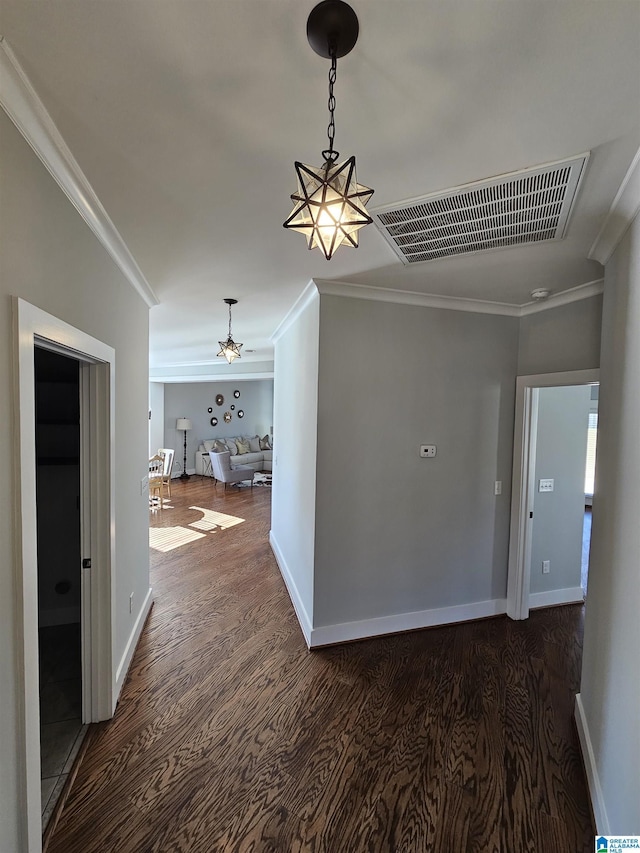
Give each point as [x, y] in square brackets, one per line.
[183, 423]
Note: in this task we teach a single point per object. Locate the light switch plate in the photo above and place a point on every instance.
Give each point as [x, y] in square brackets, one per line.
[144, 485]
[545, 486]
[498, 487]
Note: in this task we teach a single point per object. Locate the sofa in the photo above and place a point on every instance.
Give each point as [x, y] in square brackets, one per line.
[248, 450]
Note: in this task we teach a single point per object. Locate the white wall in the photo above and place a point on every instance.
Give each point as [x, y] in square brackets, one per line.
[558, 339]
[50, 258]
[293, 501]
[396, 533]
[610, 689]
[193, 399]
[563, 419]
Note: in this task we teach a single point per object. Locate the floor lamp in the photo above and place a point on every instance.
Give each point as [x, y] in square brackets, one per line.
[184, 424]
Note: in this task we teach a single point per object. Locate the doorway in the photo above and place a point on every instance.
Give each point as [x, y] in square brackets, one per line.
[34, 329]
[60, 617]
[547, 511]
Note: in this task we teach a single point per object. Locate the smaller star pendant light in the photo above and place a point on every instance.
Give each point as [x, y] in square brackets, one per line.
[229, 349]
[329, 203]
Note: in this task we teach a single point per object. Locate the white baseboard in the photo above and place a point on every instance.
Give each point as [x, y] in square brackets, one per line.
[125, 662]
[346, 631]
[589, 759]
[570, 595]
[294, 595]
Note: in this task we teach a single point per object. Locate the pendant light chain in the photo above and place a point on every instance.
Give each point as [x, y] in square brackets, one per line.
[330, 155]
[229, 320]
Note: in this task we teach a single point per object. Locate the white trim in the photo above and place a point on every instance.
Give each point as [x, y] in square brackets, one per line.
[624, 208]
[376, 627]
[554, 597]
[208, 377]
[127, 657]
[591, 769]
[31, 326]
[408, 297]
[22, 104]
[292, 589]
[456, 303]
[518, 577]
[573, 294]
[306, 297]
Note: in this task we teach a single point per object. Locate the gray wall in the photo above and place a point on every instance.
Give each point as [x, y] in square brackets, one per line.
[50, 258]
[293, 502]
[192, 399]
[564, 338]
[396, 533]
[156, 422]
[563, 418]
[610, 689]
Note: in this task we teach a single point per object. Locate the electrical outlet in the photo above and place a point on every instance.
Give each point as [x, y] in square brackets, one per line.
[546, 567]
[498, 488]
[131, 603]
[427, 451]
[545, 486]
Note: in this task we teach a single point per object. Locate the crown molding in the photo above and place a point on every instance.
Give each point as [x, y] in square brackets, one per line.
[454, 303]
[22, 104]
[565, 297]
[409, 297]
[622, 212]
[208, 377]
[306, 297]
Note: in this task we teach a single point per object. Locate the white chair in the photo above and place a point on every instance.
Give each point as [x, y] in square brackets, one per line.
[167, 454]
[222, 470]
[156, 484]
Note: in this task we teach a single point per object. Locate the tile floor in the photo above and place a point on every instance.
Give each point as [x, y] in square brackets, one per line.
[61, 728]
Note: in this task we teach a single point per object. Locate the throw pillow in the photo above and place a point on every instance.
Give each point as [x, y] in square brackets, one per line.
[232, 447]
[254, 444]
[219, 446]
[208, 445]
[243, 446]
[264, 443]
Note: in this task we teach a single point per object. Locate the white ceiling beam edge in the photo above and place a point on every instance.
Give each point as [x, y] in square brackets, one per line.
[623, 210]
[22, 104]
[209, 377]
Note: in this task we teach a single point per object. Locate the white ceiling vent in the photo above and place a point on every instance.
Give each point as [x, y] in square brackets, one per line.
[522, 207]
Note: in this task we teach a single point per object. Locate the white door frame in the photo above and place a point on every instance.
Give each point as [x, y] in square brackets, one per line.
[523, 479]
[32, 327]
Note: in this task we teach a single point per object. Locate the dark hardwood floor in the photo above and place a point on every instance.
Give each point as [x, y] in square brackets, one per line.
[231, 736]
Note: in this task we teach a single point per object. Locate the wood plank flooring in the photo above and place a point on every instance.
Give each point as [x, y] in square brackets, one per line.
[231, 736]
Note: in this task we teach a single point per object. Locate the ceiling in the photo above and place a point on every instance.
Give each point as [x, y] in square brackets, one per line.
[186, 117]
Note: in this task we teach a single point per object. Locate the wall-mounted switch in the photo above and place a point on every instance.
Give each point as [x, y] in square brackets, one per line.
[497, 490]
[546, 567]
[427, 451]
[131, 603]
[144, 485]
[545, 486]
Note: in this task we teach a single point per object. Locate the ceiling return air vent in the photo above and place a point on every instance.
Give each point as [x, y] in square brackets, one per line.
[522, 207]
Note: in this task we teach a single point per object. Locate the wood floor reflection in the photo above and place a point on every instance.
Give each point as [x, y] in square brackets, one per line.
[231, 736]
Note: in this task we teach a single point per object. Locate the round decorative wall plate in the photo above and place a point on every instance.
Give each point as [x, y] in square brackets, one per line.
[240, 413]
[213, 421]
[233, 408]
[219, 399]
[236, 394]
[209, 409]
[227, 417]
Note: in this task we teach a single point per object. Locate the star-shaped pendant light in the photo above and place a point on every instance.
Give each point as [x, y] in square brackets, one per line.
[329, 204]
[229, 349]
